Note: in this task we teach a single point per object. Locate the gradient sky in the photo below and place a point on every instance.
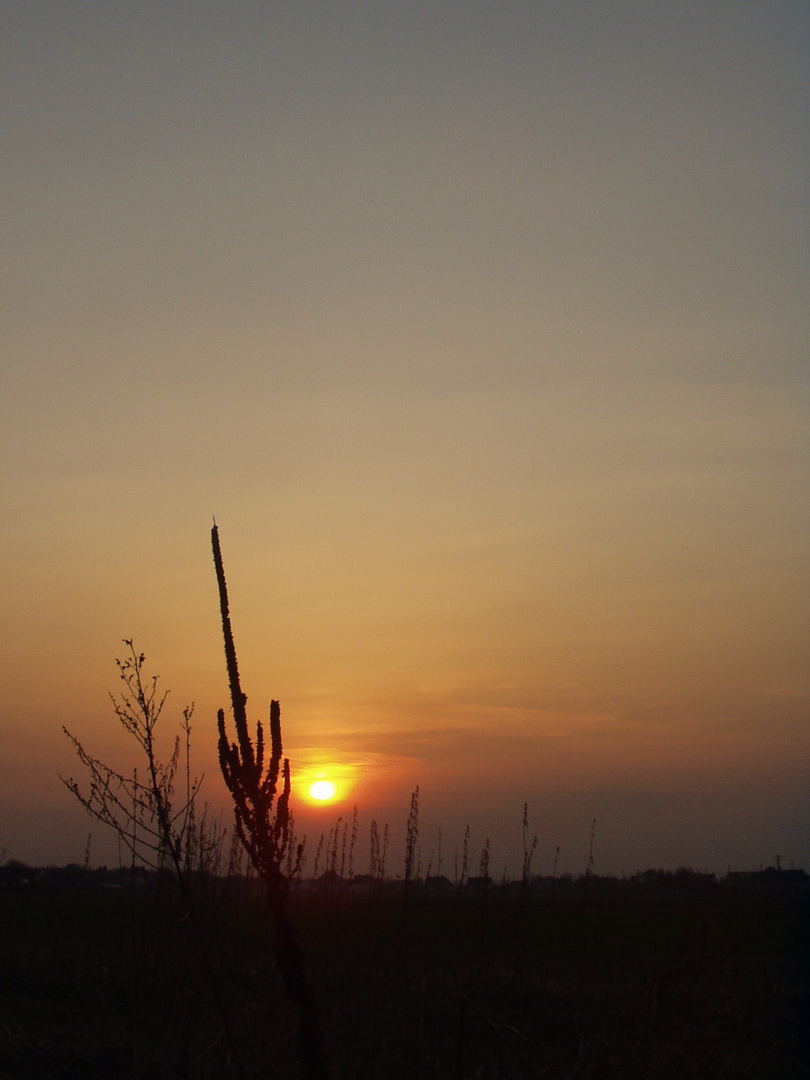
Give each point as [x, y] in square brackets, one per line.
[482, 329]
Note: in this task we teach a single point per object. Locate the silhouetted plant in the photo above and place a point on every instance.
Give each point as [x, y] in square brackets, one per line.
[295, 854]
[465, 861]
[591, 861]
[353, 842]
[318, 851]
[586, 878]
[332, 849]
[483, 868]
[142, 813]
[528, 849]
[343, 849]
[263, 825]
[374, 849]
[379, 851]
[411, 836]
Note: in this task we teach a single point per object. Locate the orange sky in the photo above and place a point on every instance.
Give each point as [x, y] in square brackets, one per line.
[483, 334]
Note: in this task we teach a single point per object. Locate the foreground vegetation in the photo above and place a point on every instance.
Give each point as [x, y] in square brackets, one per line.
[104, 979]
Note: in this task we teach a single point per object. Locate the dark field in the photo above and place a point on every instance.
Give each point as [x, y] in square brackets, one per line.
[110, 983]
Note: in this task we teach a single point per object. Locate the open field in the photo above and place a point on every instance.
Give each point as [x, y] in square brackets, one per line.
[109, 983]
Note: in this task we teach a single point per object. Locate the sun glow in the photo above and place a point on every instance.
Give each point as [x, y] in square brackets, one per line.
[322, 791]
[322, 777]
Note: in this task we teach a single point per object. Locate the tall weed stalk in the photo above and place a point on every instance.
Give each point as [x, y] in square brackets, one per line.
[260, 789]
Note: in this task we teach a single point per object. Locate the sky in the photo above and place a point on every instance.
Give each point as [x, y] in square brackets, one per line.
[482, 331]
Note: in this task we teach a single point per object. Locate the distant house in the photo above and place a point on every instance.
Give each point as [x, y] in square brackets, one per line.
[362, 883]
[438, 886]
[478, 885]
[681, 882]
[15, 876]
[770, 880]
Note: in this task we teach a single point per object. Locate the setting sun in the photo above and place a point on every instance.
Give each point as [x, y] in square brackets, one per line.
[323, 777]
[322, 790]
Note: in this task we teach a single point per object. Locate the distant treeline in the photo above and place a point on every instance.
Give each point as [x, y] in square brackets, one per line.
[17, 876]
